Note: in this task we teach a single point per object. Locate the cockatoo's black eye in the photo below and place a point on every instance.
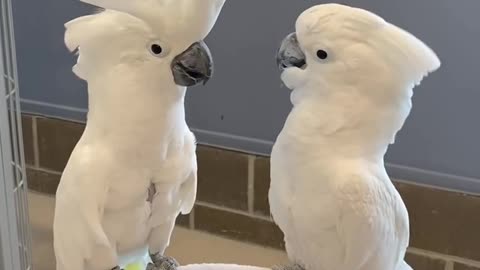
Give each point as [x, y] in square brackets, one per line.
[156, 49]
[321, 54]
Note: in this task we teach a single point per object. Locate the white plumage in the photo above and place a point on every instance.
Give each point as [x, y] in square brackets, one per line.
[330, 193]
[136, 139]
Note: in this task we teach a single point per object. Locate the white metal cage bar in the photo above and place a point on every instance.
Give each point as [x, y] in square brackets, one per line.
[15, 239]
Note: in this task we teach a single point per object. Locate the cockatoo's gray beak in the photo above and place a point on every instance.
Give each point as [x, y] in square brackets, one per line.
[290, 54]
[193, 66]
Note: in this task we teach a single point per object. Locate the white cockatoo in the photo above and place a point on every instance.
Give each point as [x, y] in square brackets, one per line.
[134, 169]
[352, 75]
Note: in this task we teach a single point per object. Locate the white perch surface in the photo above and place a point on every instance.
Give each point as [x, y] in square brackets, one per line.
[215, 266]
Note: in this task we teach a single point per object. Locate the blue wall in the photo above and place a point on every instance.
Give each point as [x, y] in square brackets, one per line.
[244, 106]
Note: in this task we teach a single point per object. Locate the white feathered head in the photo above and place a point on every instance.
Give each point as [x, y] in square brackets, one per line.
[339, 43]
[160, 35]
[355, 62]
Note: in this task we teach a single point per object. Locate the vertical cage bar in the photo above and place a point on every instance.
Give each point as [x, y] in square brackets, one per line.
[15, 239]
[8, 217]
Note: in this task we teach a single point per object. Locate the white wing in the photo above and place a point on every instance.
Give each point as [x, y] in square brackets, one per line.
[188, 192]
[176, 189]
[360, 225]
[79, 207]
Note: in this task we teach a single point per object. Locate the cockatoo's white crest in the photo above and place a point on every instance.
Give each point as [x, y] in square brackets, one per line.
[185, 21]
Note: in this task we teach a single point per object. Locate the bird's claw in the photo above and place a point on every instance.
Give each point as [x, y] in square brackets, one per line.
[294, 266]
[117, 268]
[161, 262]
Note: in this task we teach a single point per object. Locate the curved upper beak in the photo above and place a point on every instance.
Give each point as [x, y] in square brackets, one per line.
[290, 54]
[193, 66]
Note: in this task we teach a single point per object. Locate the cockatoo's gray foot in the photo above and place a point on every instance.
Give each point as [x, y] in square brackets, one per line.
[117, 268]
[161, 262]
[294, 266]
